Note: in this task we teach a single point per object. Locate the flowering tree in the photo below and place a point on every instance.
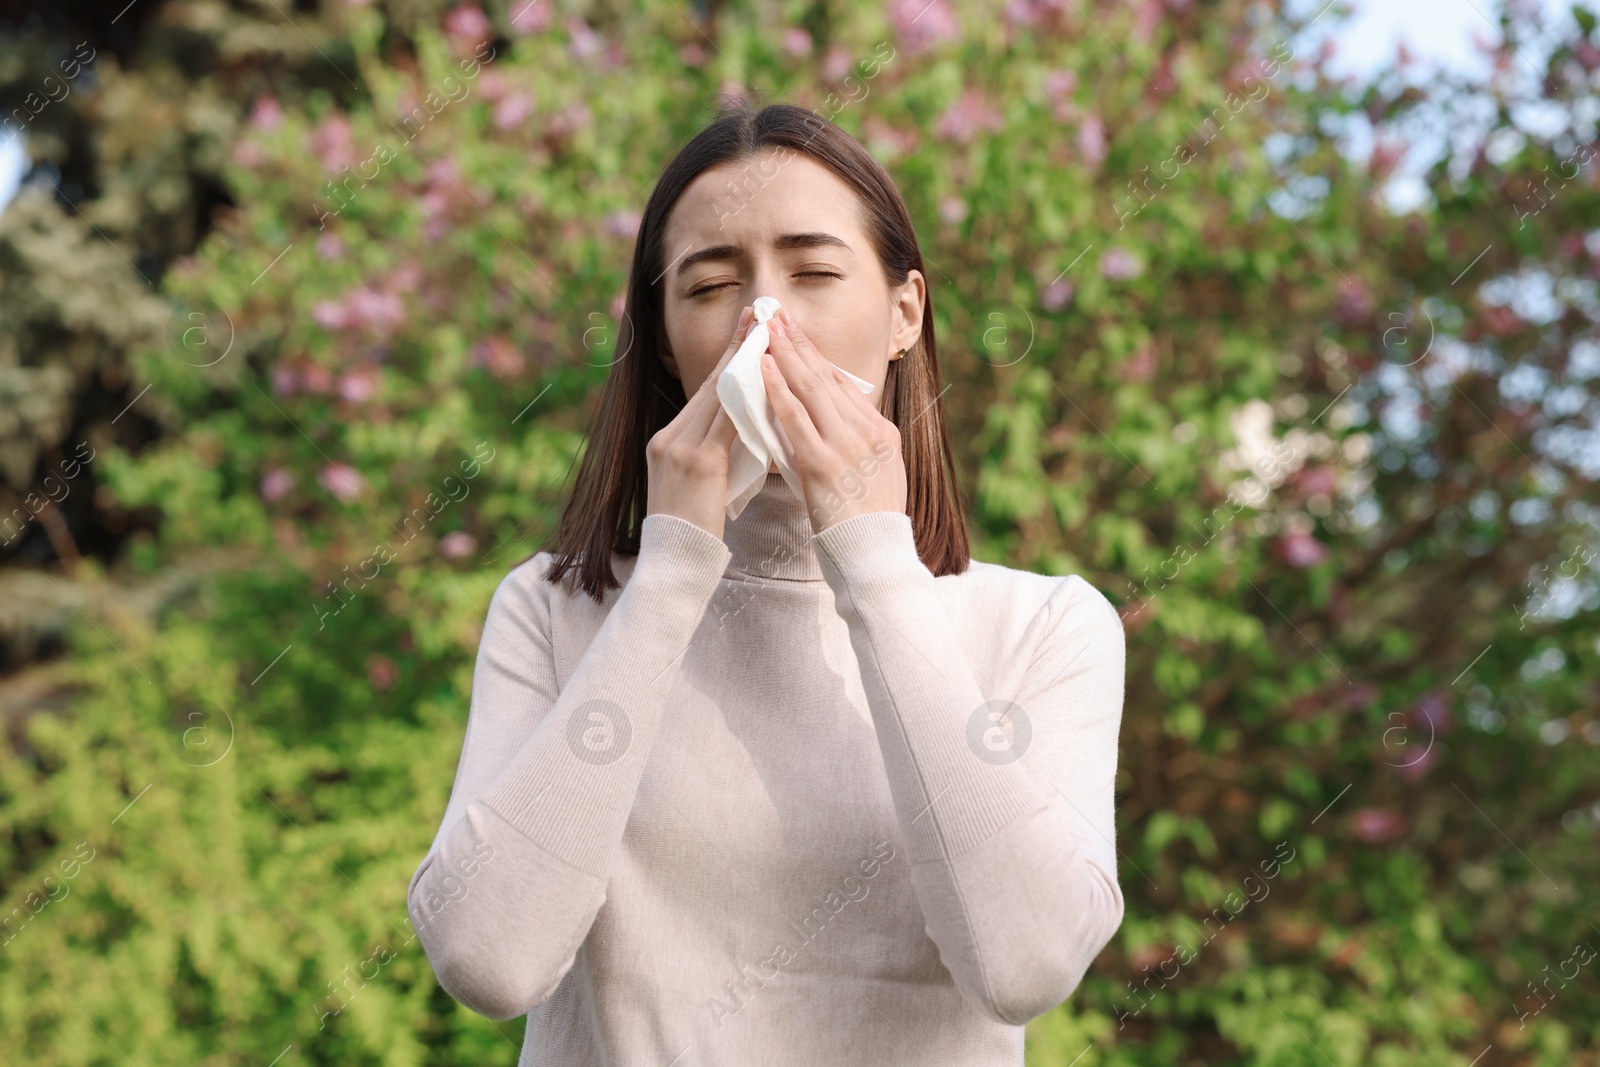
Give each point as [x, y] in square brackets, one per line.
[1335, 463]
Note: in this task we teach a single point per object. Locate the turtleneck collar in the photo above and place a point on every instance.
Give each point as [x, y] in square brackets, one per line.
[771, 538]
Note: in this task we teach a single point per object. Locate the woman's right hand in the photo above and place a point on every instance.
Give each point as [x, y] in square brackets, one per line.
[688, 458]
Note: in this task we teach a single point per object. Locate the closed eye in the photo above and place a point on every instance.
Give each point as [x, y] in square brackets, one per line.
[802, 274]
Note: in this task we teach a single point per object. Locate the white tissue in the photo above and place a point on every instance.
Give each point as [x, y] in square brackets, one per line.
[761, 440]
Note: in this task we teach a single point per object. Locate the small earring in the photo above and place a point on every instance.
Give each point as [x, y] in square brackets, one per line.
[900, 353]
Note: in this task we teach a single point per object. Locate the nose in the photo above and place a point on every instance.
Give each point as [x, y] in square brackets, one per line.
[767, 278]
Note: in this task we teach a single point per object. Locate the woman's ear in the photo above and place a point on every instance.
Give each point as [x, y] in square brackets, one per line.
[906, 314]
[669, 361]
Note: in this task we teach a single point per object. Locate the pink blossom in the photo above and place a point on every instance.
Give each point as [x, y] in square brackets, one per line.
[331, 143]
[1434, 710]
[357, 388]
[1146, 16]
[275, 484]
[836, 64]
[1092, 140]
[1501, 320]
[379, 313]
[493, 86]
[619, 306]
[342, 480]
[283, 380]
[1060, 83]
[316, 379]
[1119, 264]
[381, 671]
[530, 16]
[922, 24]
[1385, 154]
[404, 278]
[1413, 766]
[1056, 295]
[513, 110]
[571, 119]
[952, 209]
[585, 41]
[468, 23]
[692, 54]
[248, 153]
[1360, 695]
[1355, 302]
[1141, 365]
[887, 140]
[1320, 479]
[1373, 825]
[967, 116]
[500, 356]
[329, 246]
[623, 223]
[435, 203]
[266, 113]
[457, 544]
[443, 171]
[329, 314]
[1301, 549]
[797, 42]
[1020, 13]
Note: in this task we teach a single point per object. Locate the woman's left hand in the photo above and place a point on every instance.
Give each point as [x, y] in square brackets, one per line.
[846, 453]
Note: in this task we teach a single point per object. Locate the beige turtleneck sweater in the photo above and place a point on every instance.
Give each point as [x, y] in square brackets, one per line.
[781, 799]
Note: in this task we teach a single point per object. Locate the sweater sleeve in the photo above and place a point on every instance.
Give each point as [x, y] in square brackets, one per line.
[518, 868]
[1010, 839]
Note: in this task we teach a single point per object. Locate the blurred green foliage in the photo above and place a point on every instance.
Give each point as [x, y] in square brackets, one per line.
[1329, 458]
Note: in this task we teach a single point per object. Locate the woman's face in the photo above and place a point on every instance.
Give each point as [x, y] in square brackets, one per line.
[791, 232]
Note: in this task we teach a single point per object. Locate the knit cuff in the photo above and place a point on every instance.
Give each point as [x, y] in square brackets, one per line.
[674, 547]
[870, 547]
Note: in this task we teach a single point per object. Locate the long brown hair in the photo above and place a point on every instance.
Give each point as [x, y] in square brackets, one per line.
[607, 508]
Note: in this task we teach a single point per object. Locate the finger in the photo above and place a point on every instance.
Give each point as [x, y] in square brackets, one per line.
[846, 397]
[747, 321]
[702, 407]
[815, 387]
[722, 432]
[791, 413]
[802, 344]
[856, 406]
[865, 421]
[853, 402]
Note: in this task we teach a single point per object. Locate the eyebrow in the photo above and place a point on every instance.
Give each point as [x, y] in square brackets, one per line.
[782, 243]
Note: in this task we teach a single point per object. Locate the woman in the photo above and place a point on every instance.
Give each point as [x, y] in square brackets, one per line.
[814, 787]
